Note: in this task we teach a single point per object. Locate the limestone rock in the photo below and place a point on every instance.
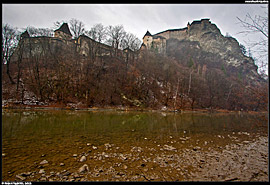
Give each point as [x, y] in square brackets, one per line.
[170, 148]
[20, 177]
[83, 158]
[44, 162]
[41, 171]
[84, 168]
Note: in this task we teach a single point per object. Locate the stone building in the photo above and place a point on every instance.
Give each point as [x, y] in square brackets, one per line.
[63, 44]
[157, 42]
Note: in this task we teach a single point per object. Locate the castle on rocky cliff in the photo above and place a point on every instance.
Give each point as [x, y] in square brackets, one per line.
[200, 35]
[157, 42]
[62, 42]
[86, 46]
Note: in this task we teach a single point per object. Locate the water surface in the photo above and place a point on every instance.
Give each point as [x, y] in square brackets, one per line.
[30, 137]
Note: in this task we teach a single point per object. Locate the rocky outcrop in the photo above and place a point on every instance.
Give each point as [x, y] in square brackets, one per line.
[204, 42]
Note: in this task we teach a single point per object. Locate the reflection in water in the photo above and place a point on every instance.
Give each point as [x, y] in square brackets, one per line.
[23, 124]
[28, 135]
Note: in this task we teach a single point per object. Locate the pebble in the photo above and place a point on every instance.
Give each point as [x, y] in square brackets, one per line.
[41, 171]
[170, 148]
[94, 147]
[62, 164]
[88, 144]
[108, 145]
[43, 162]
[75, 155]
[25, 174]
[3, 155]
[83, 158]
[196, 148]
[43, 179]
[83, 168]
[146, 169]
[122, 157]
[20, 177]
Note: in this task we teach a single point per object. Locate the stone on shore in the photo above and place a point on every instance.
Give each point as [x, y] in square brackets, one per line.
[170, 148]
[44, 162]
[83, 158]
[84, 168]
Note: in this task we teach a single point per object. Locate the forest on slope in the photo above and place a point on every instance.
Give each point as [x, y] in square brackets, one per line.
[177, 81]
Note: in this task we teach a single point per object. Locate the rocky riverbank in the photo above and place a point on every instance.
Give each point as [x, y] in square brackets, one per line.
[245, 159]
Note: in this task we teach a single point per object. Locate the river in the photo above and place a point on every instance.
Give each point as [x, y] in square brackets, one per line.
[58, 145]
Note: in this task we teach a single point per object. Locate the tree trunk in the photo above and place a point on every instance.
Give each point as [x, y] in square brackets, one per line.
[8, 73]
[176, 94]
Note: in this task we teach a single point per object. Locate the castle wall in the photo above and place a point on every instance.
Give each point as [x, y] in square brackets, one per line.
[41, 47]
[89, 47]
[165, 34]
[159, 45]
[191, 32]
[62, 35]
[181, 34]
[178, 34]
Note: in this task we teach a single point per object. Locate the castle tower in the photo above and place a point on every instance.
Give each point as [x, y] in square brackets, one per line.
[188, 25]
[148, 39]
[63, 32]
[188, 28]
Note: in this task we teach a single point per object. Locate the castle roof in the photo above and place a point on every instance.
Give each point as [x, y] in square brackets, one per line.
[25, 34]
[64, 28]
[147, 34]
[199, 21]
[179, 29]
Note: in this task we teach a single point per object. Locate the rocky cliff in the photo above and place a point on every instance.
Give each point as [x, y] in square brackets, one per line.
[202, 41]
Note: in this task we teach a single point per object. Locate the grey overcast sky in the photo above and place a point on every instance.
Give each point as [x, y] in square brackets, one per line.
[136, 18]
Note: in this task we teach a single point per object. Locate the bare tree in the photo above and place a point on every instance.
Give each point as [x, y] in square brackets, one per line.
[9, 44]
[35, 32]
[57, 24]
[115, 35]
[257, 24]
[97, 33]
[77, 27]
[131, 41]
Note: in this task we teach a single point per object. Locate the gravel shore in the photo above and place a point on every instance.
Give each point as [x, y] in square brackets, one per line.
[245, 160]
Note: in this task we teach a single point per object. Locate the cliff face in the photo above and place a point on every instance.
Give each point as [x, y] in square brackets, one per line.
[204, 42]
